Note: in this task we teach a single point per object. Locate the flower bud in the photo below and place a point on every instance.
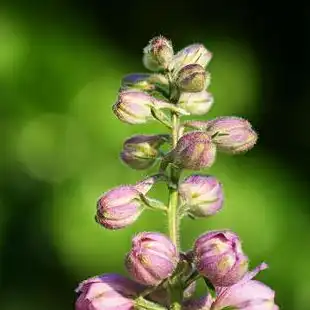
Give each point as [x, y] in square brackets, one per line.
[192, 78]
[196, 103]
[133, 107]
[194, 151]
[157, 54]
[122, 205]
[203, 195]
[192, 54]
[232, 134]
[107, 292]
[141, 151]
[202, 303]
[152, 259]
[219, 257]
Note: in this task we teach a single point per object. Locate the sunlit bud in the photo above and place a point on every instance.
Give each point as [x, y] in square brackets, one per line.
[122, 205]
[152, 259]
[141, 151]
[107, 292]
[202, 194]
[194, 151]
[202, 303]
[157, 54]
[192, 54]
[232, 134]
[196, 103]
[247, 294]
[192, 78]
[219, 257]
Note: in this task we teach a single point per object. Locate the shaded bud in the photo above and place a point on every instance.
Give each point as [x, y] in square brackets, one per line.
[232, 134]
[157, 54]
[196, 103]
[152, 259]
[107, 292]
[141, 151]
[219, 257]
[133, 107]
[192, 54]
[247, 294]
[202, 303]
[202, 195]
[194, 151]
[122, 205]
[192, 78]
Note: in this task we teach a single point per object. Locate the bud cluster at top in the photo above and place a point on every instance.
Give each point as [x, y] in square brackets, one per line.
[163, 276]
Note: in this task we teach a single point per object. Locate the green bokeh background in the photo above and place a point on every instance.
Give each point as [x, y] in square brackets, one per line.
[60, 148]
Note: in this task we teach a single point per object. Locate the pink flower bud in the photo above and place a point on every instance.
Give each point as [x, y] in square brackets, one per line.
[141, 151]
[202, 194]
[192, 54]
[202, 303]
[133, 106]
[196, 103]
[157, 54]
[219, 257]
[107, 292]
[232, 134]
[192, 78]
[194, 150]
[152, 259]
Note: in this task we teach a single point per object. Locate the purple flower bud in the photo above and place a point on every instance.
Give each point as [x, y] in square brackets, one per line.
[192, 78]
[194, 150]
[219, 257]
[196, 103]
[133, 106]
[152, 259]
[192, 54]
[202, 303]
[141, 151]
[157, 54]
[202, 194]
[232, 134]
[107, 292]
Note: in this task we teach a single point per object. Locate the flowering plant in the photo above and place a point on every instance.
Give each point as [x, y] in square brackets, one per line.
[162, 275]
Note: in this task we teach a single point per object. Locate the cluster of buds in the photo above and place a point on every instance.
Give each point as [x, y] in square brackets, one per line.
[161, 275]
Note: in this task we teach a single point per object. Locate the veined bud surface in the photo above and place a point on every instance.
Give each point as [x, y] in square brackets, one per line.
[194, 151]
[152, 259]
[219, 257]
[192, 54]
[107, 292]
[192, 78]
[202, 194]
[202, 303]
[157, 54]
[232, 134]
[133, 107]
[141, 151]
[198, 103]
[122, 205]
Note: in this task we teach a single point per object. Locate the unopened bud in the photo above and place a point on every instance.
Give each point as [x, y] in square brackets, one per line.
[192, 54]
[202, 194]
[157, 54]
[192, 78]
[232, 134]
[194, 151]
[196, 103]
[107, 292]
[219, 257]
[152, 259]
[141, 151]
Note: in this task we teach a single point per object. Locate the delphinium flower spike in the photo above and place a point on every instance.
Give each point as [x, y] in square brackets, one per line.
[162, 275]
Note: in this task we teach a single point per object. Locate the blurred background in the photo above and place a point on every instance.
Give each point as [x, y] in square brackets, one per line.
[60, 67]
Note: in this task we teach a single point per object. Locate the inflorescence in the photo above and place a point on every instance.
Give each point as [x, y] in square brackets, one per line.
[163, 276]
